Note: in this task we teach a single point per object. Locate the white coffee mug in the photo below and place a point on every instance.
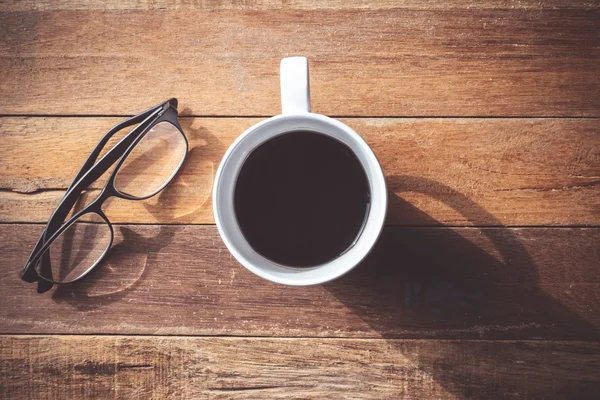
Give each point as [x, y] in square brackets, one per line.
[296, 116]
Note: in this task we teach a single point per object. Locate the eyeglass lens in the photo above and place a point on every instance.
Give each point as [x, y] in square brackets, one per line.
[77, 249]
[153, 161]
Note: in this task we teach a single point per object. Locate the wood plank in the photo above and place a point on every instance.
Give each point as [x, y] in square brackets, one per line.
[46, 5]
[215, 368]
[395, 62]
[439, 171]
[417, 283]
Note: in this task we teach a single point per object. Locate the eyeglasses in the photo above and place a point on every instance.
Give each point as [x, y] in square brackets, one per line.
[147, 159]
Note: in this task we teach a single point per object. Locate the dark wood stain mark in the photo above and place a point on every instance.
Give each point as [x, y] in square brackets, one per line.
[97, 368]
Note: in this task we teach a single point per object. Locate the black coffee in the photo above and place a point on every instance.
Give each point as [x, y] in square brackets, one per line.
[301, 199]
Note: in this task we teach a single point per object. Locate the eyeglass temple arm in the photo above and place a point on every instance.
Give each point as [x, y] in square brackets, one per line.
[89, 163]
[141, 119]
[87, 177]
[58, 218]
[93, 170]
[92, 173]
[31, 276]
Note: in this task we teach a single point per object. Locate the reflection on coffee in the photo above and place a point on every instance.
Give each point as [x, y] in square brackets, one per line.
[301, 199]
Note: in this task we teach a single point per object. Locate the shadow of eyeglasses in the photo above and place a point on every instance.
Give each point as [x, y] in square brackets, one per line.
[190, 191]
[119, 273]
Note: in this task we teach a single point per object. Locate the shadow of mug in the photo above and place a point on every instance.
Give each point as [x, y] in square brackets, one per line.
[439, 283]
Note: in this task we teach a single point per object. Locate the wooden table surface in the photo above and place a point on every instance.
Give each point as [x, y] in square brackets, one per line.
[485, 117]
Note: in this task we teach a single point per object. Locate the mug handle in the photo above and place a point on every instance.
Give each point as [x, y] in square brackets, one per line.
[295, 88]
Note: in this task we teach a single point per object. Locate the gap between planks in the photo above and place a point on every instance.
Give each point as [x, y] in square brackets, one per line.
[330, 116]
[387, 225]
[284, 337]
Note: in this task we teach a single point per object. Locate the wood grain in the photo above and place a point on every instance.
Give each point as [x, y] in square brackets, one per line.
[505, 312]
[45, 5]
[396, 62]
[439, 171]
[219, 368]
[418, 283]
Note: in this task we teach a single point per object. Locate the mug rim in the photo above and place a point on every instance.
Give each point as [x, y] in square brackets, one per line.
[226, 179]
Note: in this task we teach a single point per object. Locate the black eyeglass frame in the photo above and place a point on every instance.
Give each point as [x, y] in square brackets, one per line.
[38, 263]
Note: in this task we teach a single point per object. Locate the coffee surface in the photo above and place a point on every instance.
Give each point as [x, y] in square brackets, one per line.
[301, 199]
